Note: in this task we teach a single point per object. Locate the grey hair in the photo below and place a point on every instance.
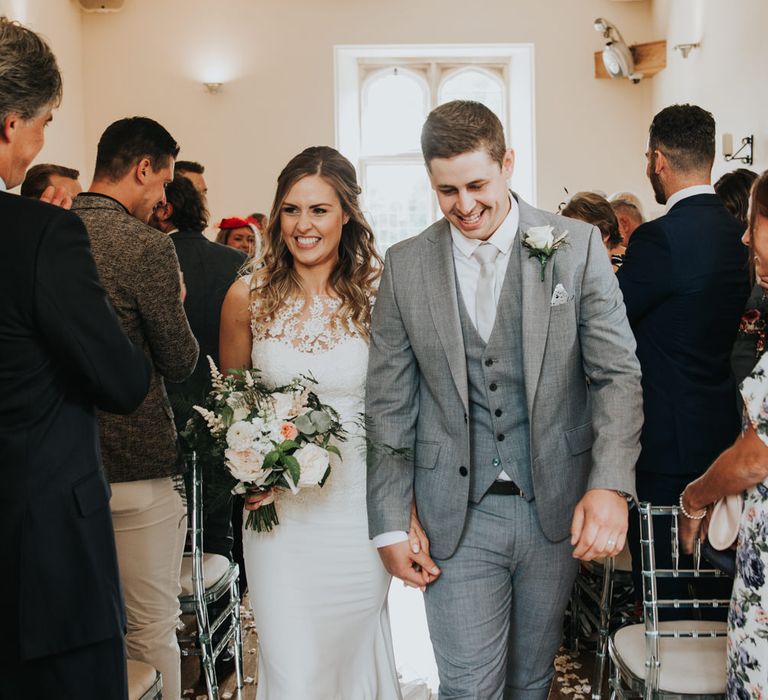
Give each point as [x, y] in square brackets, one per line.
[30, 79]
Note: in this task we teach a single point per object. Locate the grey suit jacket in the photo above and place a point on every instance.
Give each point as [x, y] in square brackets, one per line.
[140, 271]
[581, 375]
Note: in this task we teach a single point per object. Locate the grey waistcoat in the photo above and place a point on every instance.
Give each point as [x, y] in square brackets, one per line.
[498, 412]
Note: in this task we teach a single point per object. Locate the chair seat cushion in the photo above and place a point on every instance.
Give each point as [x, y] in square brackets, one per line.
[688, 666]
[215, 566]
[141, 676]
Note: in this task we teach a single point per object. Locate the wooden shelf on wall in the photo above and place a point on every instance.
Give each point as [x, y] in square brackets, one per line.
[649, 58]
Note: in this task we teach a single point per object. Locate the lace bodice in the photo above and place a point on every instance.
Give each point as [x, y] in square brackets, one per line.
[309, 327]
[312, 339]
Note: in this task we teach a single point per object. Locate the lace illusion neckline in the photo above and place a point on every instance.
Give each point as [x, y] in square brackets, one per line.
[308, 326]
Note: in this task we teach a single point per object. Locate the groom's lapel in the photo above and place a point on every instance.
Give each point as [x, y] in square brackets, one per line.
[537, 296]
[440, 280]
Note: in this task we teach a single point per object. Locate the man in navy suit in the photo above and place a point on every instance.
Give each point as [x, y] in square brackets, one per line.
[63, 354]
[685, 282]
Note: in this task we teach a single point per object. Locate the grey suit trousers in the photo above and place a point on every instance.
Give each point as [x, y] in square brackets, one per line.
[495, 613]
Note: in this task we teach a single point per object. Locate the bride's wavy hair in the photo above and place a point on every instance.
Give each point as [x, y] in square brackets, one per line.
[354, 278]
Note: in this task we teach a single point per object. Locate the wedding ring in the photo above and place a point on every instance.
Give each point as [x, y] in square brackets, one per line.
[611, 543]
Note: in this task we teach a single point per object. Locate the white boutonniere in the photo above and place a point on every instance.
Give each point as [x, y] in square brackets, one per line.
[542, 244]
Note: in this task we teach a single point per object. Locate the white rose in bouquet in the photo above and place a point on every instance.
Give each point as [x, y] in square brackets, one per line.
[241, 435]
[314, 461]
[246, 465]
[540, 237]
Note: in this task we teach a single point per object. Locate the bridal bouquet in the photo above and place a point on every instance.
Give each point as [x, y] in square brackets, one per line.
[268, 439]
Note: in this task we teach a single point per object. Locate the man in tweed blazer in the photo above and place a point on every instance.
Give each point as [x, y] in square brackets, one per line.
[517, 390]
[139, 269]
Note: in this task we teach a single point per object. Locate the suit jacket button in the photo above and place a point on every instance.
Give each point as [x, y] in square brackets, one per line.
[498, 412]
[500, 437]
[492, 386]
[488, 362]
[463, 471]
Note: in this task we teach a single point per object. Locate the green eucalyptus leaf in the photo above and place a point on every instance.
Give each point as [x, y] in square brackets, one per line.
[321, 420]
[305, 425]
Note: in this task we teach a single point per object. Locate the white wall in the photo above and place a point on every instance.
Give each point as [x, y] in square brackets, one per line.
[726, 75]
[277, 61]
[59, 22]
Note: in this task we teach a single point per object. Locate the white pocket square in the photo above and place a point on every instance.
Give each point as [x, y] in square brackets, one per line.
[559, 296]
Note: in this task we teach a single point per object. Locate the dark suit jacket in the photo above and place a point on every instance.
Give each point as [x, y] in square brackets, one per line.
[209, 270]
[685, 281]
[139, 269]
[62, 353]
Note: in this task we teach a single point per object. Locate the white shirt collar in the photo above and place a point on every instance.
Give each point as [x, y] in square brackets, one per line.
[3, 188]
[503, 237]
[688, 192]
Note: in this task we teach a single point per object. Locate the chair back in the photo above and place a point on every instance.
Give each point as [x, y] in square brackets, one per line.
[652, 603]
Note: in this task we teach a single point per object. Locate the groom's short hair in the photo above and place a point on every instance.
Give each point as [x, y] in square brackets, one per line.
[459, 127]
[685, 134]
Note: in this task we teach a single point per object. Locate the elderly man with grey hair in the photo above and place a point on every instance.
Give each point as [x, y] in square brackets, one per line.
[63, 354]
[629, 213]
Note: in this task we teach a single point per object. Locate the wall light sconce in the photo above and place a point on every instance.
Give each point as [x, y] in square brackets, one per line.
[685, 49]
[212, 88]
[747, 142]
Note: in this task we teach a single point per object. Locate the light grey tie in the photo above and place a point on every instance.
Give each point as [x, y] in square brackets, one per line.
[485, 302]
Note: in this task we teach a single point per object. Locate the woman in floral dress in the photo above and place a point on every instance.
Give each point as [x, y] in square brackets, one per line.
[743, 468]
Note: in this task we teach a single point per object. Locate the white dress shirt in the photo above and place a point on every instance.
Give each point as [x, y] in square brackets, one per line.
[3, 188]
[468, 273]
[688, 192]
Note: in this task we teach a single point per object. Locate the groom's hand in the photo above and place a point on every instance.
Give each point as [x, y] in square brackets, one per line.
[599, 525]
[413, 568]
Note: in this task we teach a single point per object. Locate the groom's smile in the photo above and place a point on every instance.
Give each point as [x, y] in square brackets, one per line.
[472, 191]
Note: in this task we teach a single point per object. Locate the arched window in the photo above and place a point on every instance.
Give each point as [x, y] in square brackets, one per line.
[475, 84]
[394, 106]
[383, 96]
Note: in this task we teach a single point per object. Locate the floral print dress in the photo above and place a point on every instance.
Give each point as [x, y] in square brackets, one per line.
[748, 616]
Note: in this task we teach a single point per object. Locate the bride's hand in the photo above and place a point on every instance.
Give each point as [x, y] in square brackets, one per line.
[256, 499]
[417, 538]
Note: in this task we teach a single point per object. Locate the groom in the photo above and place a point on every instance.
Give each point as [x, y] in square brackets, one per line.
[517, 391]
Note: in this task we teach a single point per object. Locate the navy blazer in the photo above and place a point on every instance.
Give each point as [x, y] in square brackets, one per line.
[62, 354]
[685, 281]
[209, 270]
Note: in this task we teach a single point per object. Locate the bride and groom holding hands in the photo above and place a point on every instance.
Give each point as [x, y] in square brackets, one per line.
[498, 360]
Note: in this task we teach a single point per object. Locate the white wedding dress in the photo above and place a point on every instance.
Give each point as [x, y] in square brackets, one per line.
[317, 586]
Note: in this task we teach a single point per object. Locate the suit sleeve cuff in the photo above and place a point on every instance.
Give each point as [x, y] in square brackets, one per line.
[387, 538]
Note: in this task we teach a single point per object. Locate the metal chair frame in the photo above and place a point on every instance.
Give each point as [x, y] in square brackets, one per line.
[622, 682]
[200, 597]
[594, 600]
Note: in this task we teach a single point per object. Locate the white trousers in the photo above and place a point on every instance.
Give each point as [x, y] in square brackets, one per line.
[150, 528]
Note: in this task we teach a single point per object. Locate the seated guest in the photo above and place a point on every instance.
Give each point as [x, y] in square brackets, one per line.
[595, 209]
[259, 219]
[238, 233]
[744, 468]
[194, 173]
[62, 355]
[629, 213]
[44, 175]
[140, 271]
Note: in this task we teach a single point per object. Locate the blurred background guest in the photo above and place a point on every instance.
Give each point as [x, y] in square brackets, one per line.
[629, 213]
[596, 210]
[193, 171]
[40, 177]
[733, 188]
[238, 233]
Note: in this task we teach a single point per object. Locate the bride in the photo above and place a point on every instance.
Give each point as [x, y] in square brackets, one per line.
[317, 586]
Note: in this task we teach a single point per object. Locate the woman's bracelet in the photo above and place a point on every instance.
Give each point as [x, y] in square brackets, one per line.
[687, 514]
